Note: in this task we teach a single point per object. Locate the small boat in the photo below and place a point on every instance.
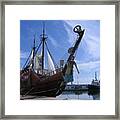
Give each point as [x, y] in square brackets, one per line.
[36, 79]
[95, 84]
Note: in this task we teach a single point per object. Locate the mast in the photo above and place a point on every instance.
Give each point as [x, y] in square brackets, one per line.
[95, 75]
[44, 37]
[33, 51]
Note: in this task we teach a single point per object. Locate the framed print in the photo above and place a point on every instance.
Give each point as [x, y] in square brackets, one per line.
[59, 60]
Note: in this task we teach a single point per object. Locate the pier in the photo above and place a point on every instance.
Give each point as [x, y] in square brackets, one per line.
[76, 87]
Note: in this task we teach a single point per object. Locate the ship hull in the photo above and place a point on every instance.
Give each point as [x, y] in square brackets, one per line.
[50, 86]
[93, 87]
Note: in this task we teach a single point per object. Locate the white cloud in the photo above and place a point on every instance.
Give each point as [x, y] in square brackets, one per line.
[71, 35]
[93, 46]
[91, 40]
[24, 55]
[88, 65]
[53, 41]
[87, 71]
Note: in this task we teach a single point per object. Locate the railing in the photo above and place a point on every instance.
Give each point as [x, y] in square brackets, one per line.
[48, 72]
[44, 72]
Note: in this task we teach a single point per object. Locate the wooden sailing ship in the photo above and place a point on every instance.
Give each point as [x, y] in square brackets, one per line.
[35, 79]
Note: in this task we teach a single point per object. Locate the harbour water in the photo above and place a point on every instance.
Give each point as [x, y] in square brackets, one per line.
[79, 95]
[68, 95]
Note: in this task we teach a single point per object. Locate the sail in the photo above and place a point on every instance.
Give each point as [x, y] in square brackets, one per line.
[38, 62]
[31, 58]
[51, 66]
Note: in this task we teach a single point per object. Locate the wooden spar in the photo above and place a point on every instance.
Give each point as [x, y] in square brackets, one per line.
[43, 45]
[43, 52]
[33, 53]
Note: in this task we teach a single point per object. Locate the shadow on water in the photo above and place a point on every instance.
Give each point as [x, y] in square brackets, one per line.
[95, 94]
[70, 95]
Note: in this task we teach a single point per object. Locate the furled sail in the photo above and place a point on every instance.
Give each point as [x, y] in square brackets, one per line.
[38, 62]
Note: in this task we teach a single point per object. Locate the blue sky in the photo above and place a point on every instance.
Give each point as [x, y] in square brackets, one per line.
[60, 38]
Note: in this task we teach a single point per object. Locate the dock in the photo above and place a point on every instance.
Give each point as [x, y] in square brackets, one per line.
[76, 87]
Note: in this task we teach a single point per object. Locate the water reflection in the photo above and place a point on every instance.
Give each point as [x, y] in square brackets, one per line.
[70, 95]
[79, 95]
[94, 94]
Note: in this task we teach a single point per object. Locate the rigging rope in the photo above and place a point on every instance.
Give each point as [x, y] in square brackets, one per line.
[27, 63]
[38, 48]
[27, 60]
